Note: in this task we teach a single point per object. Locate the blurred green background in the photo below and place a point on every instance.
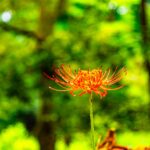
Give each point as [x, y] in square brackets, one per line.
[37, 34]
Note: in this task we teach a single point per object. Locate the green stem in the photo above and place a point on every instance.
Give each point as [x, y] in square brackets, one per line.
[92, 121]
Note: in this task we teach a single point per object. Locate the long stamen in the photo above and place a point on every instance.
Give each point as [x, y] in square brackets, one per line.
[107, 74]
[61, 75]
[47, 76]
[105, 88]
[114, 73]
[61, 85]
[66, 73]
[58, 89]
[104, 75]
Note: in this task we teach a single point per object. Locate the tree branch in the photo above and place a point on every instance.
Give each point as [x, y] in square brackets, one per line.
[144, 24]
[145, 42]
[30, 34]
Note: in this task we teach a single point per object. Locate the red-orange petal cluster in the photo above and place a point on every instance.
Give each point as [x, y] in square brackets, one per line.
[86, 80]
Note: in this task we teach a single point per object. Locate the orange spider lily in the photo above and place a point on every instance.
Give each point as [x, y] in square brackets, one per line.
[86, 80]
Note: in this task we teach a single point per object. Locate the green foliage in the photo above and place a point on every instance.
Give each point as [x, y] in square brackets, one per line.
[17, 138]
[36, 35]
[134, 139]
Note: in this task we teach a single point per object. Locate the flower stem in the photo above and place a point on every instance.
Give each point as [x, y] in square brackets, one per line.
[92, 121]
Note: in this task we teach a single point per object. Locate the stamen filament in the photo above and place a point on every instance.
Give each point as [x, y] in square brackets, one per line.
[58, 89]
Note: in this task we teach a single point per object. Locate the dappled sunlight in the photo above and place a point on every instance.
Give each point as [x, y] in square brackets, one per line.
[16, 137]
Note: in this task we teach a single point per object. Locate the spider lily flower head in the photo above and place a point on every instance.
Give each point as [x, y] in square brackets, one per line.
[86, 80]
